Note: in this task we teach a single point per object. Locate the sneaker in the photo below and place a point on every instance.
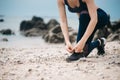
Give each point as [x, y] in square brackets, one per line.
[74, 57]
[101, 49]
[86, 52]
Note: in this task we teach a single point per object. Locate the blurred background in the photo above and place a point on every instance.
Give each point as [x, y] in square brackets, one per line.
[48, 8]
[13, 12]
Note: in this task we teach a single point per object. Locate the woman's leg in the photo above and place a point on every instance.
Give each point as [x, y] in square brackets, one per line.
[84, 21]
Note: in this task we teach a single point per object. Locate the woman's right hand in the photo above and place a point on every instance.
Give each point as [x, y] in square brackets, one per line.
[69, 47]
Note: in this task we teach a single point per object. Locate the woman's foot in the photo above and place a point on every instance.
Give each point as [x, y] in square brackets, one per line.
[75, 56]
[101, 49]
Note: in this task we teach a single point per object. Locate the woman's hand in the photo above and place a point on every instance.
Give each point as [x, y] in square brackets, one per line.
[79, 47]
[69, 47]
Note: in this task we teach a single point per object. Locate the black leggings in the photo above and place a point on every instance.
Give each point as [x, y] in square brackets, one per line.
[83, 24]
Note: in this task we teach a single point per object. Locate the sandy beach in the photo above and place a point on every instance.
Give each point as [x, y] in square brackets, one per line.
[32, 44]
[41, 61]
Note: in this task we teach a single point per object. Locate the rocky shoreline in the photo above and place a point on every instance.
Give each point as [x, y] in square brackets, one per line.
[51, 31]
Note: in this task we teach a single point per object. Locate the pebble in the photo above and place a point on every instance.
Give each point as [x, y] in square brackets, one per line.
[5, 39]
[107, 67]
[42, 78]
[19, 62]
[29, 70]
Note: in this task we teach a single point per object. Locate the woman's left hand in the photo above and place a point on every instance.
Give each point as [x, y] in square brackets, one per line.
[79, 47]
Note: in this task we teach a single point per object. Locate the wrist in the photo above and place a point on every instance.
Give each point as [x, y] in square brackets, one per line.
[68, 42]
[83, 41]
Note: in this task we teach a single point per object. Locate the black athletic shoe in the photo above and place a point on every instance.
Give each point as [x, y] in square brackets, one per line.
[75, 56]
[101, 49]
[86, 52]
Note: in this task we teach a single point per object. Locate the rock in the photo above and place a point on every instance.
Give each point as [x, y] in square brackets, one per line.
[51, 32]
[40, 25]
[29, 70]
[19, 62]
[26, 25]
[115, 25]
[42, 78]
[114, 36]
[6, 32]
[102, 32]
[52, 23]
[36, 19]
[34, 32]
[5, 39]
[34, 27]
[107, 67]
[55, 35]
[1, 20]
[111, 31]
[36, 22]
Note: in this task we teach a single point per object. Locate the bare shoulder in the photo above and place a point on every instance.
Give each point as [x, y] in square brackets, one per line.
[60, 1]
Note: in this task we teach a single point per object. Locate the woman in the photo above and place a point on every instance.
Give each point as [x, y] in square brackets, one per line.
[90, 19]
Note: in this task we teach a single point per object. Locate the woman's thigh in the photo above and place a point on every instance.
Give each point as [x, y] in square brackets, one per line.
[102, 18]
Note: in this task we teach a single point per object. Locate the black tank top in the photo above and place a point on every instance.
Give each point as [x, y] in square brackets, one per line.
[82, 7]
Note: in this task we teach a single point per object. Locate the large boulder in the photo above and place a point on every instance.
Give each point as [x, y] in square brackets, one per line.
[40, 25]
[114, 36]
[33, 27]
[52, 23]
[102, 32]
[36, 19]
[111, 31]
[36, 22]
[115, 25]
[115, 31]
[26, 25]
[34, 32]
[6, 32]
[55, 35]
[51, 31]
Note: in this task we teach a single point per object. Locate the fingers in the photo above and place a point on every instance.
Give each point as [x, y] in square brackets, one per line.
[77, 49]
[69, 49]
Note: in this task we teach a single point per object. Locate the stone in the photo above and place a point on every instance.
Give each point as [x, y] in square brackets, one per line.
[51, 32]
[1, 20]
[5, 39]
[114, 36]
[52, 23]
[6, 32]
[55, 35]
[33, 27]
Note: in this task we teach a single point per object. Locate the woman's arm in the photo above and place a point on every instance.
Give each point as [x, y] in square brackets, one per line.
[92, 9]
[64, 24]
[63, 20]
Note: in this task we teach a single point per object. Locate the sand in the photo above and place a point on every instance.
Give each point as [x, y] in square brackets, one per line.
[47, 62]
